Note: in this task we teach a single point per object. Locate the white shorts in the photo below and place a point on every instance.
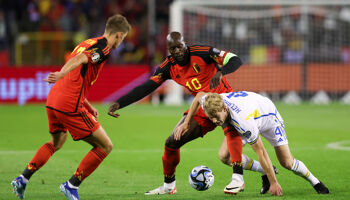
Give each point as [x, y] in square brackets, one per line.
[273, 132]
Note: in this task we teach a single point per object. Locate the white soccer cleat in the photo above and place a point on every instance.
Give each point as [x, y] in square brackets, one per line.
[162, 190]
[236, 185]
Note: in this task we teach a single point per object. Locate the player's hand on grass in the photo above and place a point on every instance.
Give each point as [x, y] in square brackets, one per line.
[215, 81]
[53, 77]
[114, 107]
[181, 130]
[276, 189]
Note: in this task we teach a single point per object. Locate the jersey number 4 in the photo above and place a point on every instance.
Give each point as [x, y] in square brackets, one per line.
[194, 83]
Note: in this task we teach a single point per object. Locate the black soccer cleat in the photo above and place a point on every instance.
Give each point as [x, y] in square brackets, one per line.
[266, 183]
[321, 188]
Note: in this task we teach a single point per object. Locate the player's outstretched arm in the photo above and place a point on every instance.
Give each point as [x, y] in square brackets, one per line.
[69, 66]
[134, 95]
[183, 128]
[264, 159]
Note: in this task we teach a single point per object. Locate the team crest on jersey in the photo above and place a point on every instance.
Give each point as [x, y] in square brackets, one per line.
[196, 68]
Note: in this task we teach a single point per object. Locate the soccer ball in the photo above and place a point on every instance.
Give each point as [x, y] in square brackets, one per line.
[201, 178]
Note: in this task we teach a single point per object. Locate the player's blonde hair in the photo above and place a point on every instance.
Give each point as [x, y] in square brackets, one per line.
[212, 104]
[117, 23]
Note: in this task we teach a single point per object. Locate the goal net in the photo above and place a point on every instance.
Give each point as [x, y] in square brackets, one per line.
[291, 50]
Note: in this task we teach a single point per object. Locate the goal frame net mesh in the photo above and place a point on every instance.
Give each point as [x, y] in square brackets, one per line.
[287, 47]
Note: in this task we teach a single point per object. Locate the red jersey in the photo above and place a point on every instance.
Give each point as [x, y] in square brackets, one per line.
[196, 75]
[69, 93]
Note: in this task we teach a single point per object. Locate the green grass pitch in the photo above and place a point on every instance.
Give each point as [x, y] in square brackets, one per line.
[135, 164]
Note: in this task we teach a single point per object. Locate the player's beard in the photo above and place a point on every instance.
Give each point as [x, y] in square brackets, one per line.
[179, 57]
[182, 59]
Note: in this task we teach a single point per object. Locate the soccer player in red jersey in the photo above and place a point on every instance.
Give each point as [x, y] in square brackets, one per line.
[197, 68]
[68, 109]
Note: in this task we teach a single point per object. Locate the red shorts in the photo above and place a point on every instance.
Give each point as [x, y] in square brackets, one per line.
[80, 125]
[203, 121]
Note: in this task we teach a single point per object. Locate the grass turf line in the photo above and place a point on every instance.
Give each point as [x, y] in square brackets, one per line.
[135, 164]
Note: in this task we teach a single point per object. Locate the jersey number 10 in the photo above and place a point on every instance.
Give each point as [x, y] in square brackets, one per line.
[195, 84]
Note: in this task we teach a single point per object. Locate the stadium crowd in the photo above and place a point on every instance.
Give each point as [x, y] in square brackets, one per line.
[85, 19]
[277, 38]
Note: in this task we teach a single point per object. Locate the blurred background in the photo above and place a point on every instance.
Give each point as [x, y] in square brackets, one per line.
[293, 51]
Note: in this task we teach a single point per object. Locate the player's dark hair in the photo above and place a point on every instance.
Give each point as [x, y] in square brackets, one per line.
[117, 23]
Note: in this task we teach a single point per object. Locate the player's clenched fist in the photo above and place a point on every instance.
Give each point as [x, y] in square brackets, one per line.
[276, 189]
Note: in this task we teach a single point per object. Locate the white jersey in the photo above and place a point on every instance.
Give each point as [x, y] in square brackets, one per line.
[252, 114]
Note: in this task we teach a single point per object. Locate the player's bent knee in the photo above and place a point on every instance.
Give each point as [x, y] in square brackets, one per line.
[58, 140]
[171, 143]
[58, 146]
[224, 157]
[225, 160]
[286, 163]
[108, 147]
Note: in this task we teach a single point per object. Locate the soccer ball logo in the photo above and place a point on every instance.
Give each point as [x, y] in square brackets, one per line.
[201, 178]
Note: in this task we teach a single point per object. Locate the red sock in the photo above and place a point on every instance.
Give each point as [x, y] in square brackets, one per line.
[89, 163]
[234, 144]
[41, 157]
[170, 158]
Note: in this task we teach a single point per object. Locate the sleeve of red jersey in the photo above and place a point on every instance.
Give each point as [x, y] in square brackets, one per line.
[97, 53]
[162, 72]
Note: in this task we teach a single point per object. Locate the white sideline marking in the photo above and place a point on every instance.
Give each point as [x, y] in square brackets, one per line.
[338, 145]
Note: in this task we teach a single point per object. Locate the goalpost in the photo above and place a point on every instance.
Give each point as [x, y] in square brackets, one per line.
[291, 50]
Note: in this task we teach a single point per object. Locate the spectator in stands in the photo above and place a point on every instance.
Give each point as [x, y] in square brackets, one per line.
[82, 19]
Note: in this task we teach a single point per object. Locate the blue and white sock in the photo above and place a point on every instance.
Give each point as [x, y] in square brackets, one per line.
[300, 169]
[250, 164]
